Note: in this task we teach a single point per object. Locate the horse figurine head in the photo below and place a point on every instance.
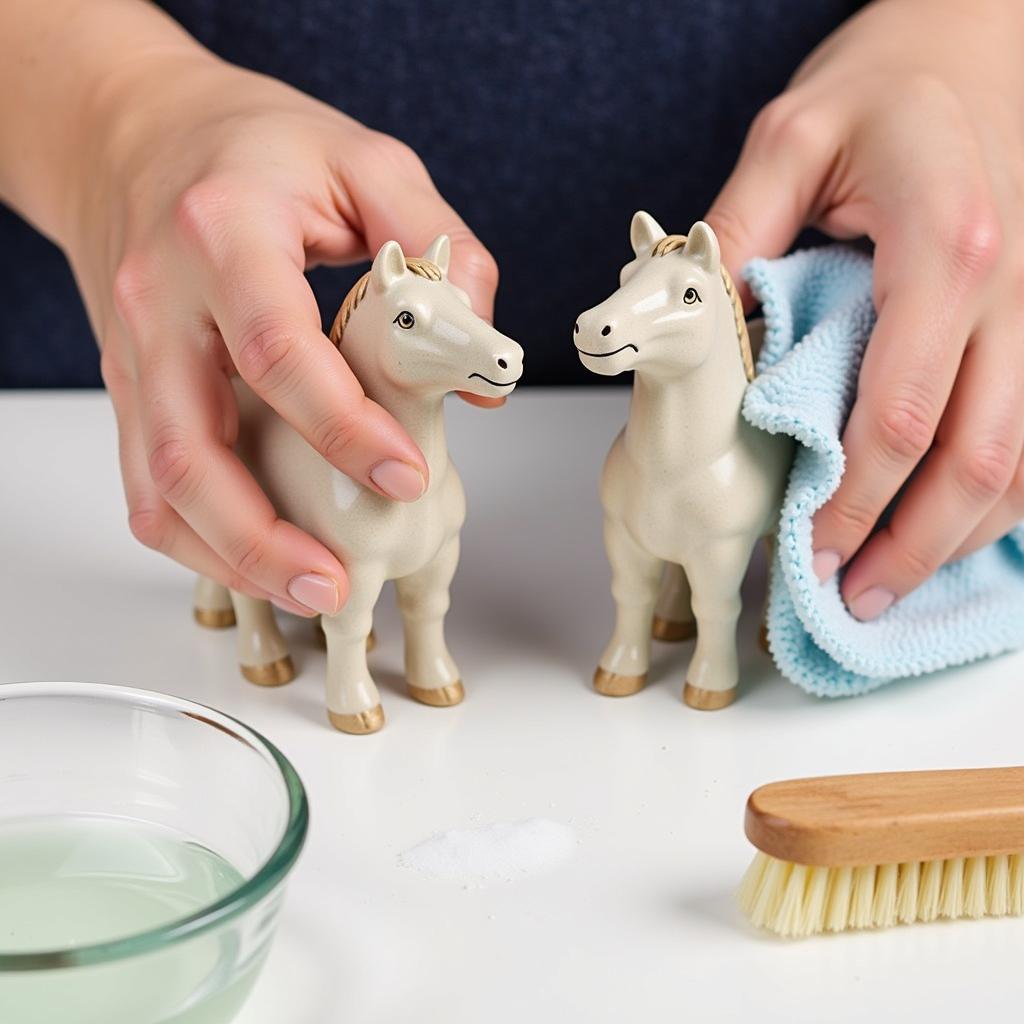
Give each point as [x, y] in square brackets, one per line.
[674, 304]
[405, 327]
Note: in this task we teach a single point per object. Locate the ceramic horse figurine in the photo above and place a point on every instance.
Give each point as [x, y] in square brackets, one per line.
[688, 486]
[410, 337]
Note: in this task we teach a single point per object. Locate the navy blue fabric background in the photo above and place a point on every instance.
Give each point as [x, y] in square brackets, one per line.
[545, 123]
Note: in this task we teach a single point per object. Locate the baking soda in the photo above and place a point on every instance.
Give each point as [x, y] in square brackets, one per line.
[501, 852]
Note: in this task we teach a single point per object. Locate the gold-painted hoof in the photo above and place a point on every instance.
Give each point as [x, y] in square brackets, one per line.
[440, 696]
[708, 700]
[670, 632]
[214, 618]
[371, 641]
[277, 673]
[360, 724]
[613, 685]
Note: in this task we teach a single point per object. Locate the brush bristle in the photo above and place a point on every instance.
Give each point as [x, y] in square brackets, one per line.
[795, 900]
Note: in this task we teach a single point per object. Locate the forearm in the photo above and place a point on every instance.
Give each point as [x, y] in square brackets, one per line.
[62, 63]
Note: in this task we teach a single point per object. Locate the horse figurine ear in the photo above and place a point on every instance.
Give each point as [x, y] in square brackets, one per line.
[389, 266]
[644, 231]
[440, 252]
[702, 247]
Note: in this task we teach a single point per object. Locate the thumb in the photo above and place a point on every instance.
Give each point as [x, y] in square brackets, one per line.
[397, 199]
[774, 188]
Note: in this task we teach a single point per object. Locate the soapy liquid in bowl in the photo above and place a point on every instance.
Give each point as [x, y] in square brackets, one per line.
[70, 882]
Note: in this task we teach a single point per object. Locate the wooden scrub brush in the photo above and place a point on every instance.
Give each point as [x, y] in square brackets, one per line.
[863, 851]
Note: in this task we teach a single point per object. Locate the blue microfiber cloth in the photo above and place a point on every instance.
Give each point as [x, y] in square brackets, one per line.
[819, 315]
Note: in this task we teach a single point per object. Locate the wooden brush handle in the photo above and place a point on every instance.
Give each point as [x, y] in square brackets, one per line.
[889, 817]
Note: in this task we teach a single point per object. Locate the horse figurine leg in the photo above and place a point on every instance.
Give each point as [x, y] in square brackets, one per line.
[622, 669]
[262, 652]
[716, 573]
[353, 703]
[423, 599]
[673, 614]
[321, 638]
[211, 604]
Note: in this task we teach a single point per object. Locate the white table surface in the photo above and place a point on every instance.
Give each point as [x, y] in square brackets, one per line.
[640, 925]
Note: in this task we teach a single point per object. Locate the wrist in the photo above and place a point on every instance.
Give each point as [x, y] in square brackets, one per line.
[129, 113]
[61, 68]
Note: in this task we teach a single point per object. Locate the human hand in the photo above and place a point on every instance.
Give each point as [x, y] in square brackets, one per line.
[207, 193]
[907, 125]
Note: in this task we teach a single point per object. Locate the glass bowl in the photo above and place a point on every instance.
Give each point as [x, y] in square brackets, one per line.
[114, 801]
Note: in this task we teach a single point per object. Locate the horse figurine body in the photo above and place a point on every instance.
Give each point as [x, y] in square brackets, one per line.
[410, 337]
[688, 486]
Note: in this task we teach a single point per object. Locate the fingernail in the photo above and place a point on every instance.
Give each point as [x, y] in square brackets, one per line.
[315, 591]
[871, 603]
[825, 564]
[399, 480]
[291, 607]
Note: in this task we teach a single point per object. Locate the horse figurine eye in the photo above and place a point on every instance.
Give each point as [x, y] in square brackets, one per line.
[690, 296]
[405, 320]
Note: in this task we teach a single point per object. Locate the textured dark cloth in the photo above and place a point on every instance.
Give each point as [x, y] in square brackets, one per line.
[545, 123]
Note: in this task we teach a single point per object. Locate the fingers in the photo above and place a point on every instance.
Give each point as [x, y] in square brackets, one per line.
[1008, 513]
[976, 453]
[268, 318]
[203, 481]
[396, 199]
[773, 190]
[925, 316]
[156, 525]
[151, 520]
[481, 401]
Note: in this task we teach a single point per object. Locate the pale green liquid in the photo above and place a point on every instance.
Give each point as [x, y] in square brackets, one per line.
[72, 882]
[75, 882]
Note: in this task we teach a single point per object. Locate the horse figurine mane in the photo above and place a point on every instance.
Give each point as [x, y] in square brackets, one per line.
[688, 486]
[670, 243]
[418, 265]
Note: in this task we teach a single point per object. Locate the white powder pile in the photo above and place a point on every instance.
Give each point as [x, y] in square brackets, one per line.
[502, 852]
